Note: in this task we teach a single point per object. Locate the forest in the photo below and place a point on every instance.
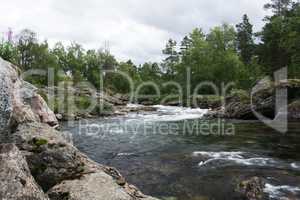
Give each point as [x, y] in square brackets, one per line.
[227, 53]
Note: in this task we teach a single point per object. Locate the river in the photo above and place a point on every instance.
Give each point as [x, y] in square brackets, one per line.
[174, 155]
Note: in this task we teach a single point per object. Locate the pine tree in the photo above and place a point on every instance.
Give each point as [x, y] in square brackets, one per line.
[279, 7]
[245, 42]
[170, 51]
[185, 45]
[172, 58]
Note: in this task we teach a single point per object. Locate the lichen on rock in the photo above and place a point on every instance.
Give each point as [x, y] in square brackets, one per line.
[62, 169]
[19, 100]
[16, 182]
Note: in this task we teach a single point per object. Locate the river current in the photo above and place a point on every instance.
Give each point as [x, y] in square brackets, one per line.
[175, 155]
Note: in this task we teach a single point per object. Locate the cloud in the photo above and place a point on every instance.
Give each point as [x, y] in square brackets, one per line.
[135, 29]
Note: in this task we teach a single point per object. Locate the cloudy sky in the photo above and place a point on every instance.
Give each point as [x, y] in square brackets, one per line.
[135, 29]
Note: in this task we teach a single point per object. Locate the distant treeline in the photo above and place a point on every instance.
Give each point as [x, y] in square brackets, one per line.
[225, 54]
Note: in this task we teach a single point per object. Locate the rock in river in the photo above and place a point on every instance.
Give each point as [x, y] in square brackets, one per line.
[252, 189]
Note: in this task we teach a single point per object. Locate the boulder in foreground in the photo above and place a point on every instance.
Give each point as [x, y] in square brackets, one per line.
[19, 100]
[16, 182]
[66, 173]
[54, 163]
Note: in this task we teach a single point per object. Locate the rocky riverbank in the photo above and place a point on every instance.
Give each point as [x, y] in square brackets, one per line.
[262, 99]
[37, 162]
[74, 103]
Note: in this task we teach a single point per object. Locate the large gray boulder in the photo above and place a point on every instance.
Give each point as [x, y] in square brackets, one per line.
[92, 186]
[64, 171]
[19, 100]
[8, 76]
[50, 158]
[16, 182]
[56, 165]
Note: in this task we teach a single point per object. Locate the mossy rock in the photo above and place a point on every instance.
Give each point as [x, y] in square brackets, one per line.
[206, 101]
[240, 95]
[39, 142]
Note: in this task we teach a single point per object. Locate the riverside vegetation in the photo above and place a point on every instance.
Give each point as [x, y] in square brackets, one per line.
[39, 163]
[226, 54]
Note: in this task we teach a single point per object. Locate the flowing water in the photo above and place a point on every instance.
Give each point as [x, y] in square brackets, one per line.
[174, 155]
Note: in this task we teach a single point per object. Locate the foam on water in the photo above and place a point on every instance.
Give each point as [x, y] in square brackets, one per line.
[125, 154]
[236, 157]
[281, 191]
[173, 113]
[241, 158]
[237, 154]
[134, 105]
[295, 165]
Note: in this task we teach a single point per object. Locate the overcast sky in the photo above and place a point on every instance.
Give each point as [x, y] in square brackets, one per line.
[135, 29]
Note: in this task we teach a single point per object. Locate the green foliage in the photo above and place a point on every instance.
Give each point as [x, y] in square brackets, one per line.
[8, 52]
[224, 59]
[279, 7]
[103, 108]
[212, 57]
[245, 42]
[151, 72]
[93, 62]
[223, 55]
[280, 42]
[65, 63]
[172, 58]
[291, 40]
[250, 74]
[82, 102]
[242, 95]
[123, 80]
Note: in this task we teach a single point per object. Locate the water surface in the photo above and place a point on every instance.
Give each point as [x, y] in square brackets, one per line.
[165, 154]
